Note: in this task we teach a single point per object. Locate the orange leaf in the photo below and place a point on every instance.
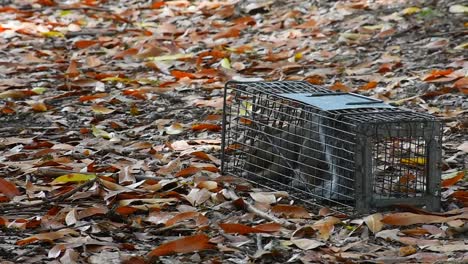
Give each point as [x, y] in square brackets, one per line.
[72, 70]
[199, 218]
[415, 232]
[368, 86]
[126, 53]
[46, 2]
[157, 4]
[8, 188]
[183, 245]
[268, 227]
[50, 236]
[451, 181]
[209, 127]
[83, 44]
[181, 74]
[237, 228]
[244, 229]
[404, 219]
[39, 107]
[291, 211]
[232, 32]
[460, 195]
[187, 172]
[315, 79]
[247, 20]
[125, 210]
[434, 74]
[86, 98]
[339, 87]
[462, 85]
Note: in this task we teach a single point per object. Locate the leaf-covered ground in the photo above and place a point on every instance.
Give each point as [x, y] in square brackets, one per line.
[110, 118]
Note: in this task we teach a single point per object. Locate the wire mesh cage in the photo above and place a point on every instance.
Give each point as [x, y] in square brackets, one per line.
[343, 150]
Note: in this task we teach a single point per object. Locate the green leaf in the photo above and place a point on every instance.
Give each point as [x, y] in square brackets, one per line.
[100, 133]
[73, 177]
[225, 63]
[39, 90]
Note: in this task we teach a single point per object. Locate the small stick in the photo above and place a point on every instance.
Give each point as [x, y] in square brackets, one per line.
[250, 208]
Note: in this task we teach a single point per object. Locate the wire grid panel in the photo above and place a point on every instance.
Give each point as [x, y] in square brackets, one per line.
[349, 158]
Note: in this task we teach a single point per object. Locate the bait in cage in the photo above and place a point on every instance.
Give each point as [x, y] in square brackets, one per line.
[346, 150]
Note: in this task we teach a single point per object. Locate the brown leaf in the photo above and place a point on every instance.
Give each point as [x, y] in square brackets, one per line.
[241, 229]
[374, 222]
[125, 210]
[209, 127]
[189, 171]
[290, 211]
[50, 236]
[326, 226]
[8, 189]
[72, 70]
[368, 86]
[183, 245]
[83, 44]
[462, 85]
[200, 220]
[451, 181]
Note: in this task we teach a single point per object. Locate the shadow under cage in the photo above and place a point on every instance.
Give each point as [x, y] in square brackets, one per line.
[343, 150]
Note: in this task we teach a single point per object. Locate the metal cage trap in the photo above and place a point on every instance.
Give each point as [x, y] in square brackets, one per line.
[350, 152]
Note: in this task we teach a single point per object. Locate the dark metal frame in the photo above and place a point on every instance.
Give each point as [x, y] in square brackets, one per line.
[371, 127]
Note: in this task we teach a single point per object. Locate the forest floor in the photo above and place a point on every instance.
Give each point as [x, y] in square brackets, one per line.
[110, 128]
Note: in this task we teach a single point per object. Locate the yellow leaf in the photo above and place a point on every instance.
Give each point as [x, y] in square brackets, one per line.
[100, 133]
[171, 57]
[462, 46]
[73, 177]
[99, 109]
[298, 56]
[225, 63]
[411, 10]
[38, 107]
[245, 109]
[117, 79]
[65, 12]
[414, 161]
[39, 90]
[53, 34]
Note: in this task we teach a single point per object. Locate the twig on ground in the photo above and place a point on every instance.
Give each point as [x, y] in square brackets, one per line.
[250, 208]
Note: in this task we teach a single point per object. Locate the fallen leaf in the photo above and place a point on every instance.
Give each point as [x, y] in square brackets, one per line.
[72, 70]
[261, 197]
[241, 229]
[183, 245]
[48, 237]
[8, 189]
[209, 127]
[447, 182]
[374, 222]
[200, 220]
[73, 177]
[410, 10]
[458, 9]
[326, 226]
[290, 211]
[99, 109]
